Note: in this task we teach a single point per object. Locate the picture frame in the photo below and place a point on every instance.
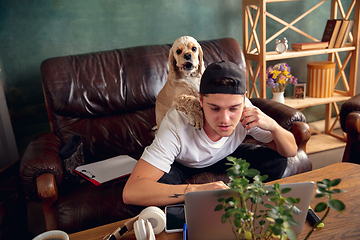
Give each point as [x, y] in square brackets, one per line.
[300, 90]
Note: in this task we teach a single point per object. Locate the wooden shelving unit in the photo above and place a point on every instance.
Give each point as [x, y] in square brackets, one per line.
[321, 142]
[254, 14]
[310, 101]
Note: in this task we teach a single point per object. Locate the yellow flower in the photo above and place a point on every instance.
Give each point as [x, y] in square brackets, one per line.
[275, 73]
[282, 79]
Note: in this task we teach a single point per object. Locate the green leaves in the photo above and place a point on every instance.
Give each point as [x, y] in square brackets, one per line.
[291, 234]
[219, 208]
[243, 211]
[320, 207]
[240, 168]
[324, 189]
[277, 229]
[292, 201]
[336, 205]
[285, 190]
[243, 216]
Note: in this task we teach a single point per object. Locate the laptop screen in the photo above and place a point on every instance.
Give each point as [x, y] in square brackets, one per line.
[203, 222]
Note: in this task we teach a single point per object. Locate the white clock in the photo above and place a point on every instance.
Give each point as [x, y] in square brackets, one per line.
[281, 46]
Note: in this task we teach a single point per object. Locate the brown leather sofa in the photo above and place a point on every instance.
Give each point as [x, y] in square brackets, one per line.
[350, 123]
[108, 98]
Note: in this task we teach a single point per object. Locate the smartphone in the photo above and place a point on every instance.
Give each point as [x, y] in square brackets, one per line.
[175, 218]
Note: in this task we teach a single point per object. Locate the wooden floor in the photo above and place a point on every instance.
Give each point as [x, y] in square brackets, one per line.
[323, 142]
[324, 149]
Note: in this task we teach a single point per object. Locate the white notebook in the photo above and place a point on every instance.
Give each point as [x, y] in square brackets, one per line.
[106, 170]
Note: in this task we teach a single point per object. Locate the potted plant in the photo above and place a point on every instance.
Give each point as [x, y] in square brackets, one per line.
[277, 220]
[277, 78]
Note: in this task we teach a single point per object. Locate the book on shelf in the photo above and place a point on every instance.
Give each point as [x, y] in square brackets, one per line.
[341, 34]
[331, 31]
[107, 170]
[309, 46]
[347, 32]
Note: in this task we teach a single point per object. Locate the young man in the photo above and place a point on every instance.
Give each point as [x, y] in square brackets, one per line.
[180, 151]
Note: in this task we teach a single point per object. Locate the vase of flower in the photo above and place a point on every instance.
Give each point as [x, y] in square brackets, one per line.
[279, 97]
[277, 78]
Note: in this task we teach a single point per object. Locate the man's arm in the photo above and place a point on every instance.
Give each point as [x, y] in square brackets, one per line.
[284, 142]
[143, 189]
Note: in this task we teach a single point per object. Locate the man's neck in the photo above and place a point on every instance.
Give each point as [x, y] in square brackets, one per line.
[211, 133]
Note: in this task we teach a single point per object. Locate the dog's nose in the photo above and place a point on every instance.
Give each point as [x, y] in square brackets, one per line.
[187, 56]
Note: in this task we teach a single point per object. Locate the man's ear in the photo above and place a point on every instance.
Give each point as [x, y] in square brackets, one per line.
[200, 99]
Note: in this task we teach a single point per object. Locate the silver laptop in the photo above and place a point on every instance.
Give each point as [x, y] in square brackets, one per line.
[203, 223]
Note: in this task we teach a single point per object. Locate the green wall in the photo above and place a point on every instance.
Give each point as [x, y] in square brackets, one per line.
[32, 31]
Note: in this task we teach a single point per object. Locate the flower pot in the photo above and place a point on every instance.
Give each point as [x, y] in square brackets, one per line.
[279, 97]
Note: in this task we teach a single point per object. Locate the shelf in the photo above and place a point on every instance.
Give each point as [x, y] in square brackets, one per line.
[272, 1]
[295, 54]
[311, 101]
[255, 43]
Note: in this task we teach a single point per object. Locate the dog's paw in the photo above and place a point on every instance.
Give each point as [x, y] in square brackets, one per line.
[190, 105]
[195, 116]
[197, 120]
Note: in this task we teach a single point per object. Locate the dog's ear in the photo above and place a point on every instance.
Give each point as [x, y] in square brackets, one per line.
[201, 61]
[172, 64]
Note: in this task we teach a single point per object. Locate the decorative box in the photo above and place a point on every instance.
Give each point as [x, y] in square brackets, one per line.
[321, 78]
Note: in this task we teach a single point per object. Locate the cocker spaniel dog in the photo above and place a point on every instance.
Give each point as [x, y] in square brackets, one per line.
[186, 67]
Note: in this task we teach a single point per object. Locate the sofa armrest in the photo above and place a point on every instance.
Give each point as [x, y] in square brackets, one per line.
[349, 106]
[41, 156]
[302, 134]
[352, 124]
[352, 148]
[48, 194]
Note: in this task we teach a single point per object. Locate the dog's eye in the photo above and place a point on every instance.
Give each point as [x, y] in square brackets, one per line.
[178, 51]
[193, 49]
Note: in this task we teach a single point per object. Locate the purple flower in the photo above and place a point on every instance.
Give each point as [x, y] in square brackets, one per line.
[288, 67]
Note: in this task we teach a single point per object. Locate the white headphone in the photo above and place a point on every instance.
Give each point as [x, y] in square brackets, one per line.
[151, 221]
[146, 225]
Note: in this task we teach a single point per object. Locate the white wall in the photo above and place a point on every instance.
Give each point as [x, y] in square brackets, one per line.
[8, 148]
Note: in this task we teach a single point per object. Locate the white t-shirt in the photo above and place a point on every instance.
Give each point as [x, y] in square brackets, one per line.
[177, 140]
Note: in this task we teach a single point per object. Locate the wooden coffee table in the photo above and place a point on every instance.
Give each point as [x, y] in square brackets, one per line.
[343, 225]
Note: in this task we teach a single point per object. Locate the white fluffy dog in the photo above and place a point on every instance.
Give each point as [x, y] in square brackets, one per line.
[186, 67]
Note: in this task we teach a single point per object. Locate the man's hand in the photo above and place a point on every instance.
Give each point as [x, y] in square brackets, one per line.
[284, 141]
[207, 186]
[254, 117]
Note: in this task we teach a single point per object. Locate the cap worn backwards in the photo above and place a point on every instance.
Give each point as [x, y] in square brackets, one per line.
[223, 69]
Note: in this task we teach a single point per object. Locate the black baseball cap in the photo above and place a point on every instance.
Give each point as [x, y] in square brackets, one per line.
[223, 69]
